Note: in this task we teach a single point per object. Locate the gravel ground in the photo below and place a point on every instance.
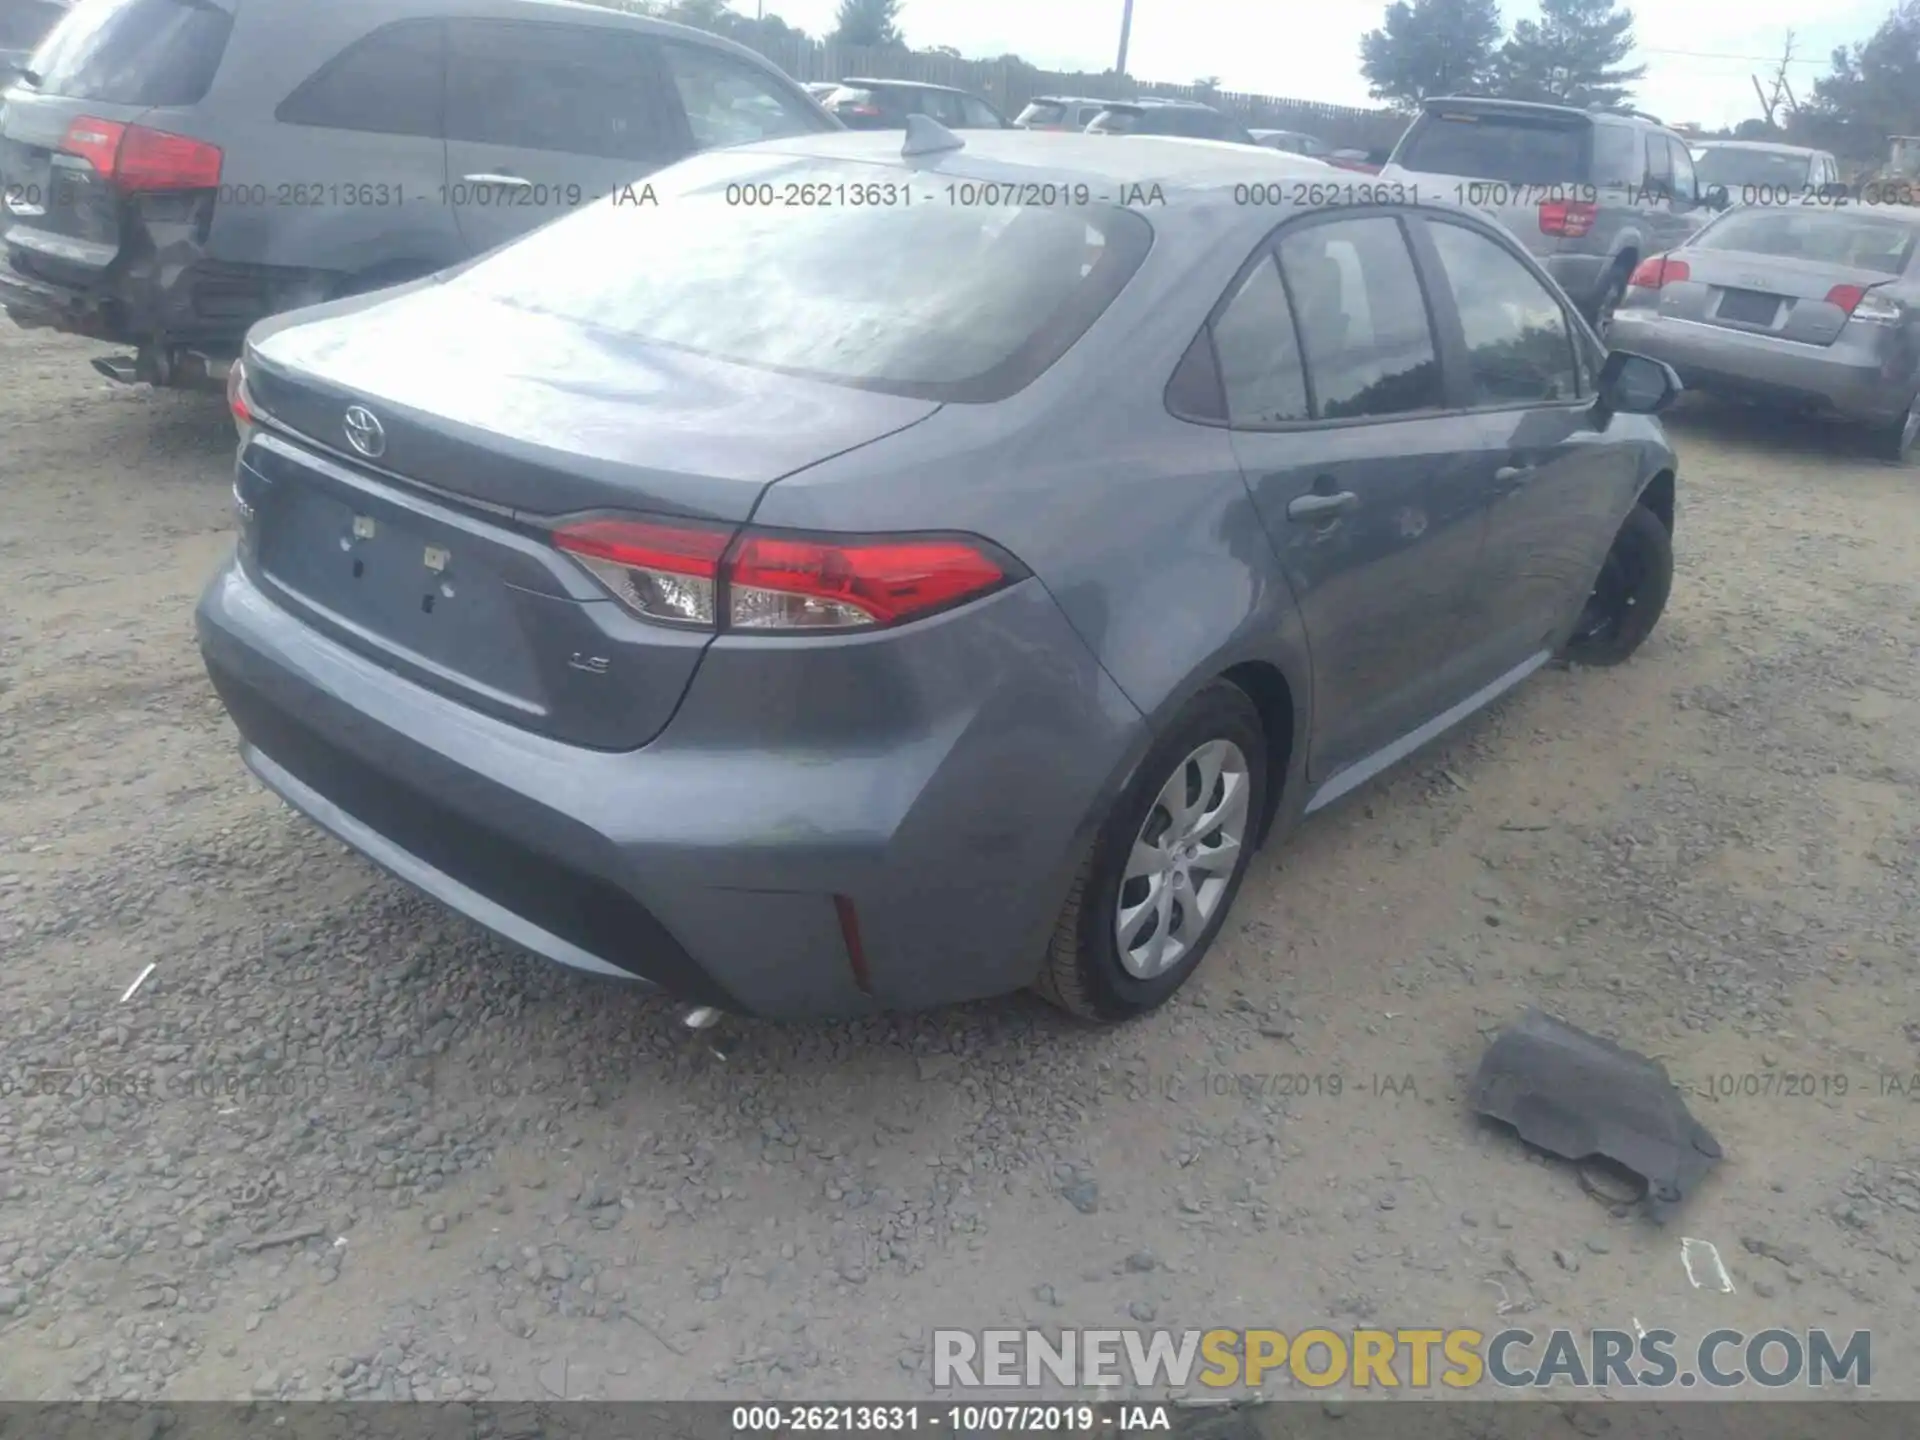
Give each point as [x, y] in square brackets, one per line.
[371, 1152]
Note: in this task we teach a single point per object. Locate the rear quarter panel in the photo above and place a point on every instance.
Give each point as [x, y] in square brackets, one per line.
[1140, 525]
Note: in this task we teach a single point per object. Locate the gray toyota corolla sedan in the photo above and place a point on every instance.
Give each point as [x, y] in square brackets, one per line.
[1814, 307]
[852, 575]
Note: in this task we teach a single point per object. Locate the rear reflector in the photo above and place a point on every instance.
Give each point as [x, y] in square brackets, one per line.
[1572, 218]
[1652, 274]
[773, 583]
[134, 158]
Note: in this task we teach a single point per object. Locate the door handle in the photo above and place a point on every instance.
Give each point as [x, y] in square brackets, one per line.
[1321, 507]
[510, 182]
[1514, 474]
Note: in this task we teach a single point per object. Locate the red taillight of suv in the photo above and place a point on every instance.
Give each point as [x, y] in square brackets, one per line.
[768, 582]
[239, 401]
[135, 158]
[1571, 218]
[1660, 270]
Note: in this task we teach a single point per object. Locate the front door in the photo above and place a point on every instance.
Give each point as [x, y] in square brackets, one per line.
[1554, 484]
[544, 118]
[1334, 395]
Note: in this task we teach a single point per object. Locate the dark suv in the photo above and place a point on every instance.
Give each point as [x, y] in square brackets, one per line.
[1188, 118]
[175, 170]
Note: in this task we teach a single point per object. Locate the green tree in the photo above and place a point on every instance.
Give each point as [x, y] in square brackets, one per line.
[870, 23]
[1431, 47]
[1573, 55]
[1873, 90]
[716, 16]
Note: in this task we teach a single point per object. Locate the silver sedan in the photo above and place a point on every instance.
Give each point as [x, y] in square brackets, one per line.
[1809, 306]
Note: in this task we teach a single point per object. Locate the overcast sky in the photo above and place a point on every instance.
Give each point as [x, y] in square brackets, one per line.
[1311, 51]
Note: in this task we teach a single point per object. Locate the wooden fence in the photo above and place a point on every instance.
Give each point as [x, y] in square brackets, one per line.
[1010, 86]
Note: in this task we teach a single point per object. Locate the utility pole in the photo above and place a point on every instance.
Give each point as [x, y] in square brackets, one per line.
[1126, 29]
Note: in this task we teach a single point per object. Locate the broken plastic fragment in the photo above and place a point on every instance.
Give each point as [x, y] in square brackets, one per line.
[1576, 1095]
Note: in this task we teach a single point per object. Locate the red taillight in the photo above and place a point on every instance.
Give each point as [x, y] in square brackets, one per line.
[1846, 297]
[780, 584]
[132, 157]
[772, 583]
[1572, 218]
[95, 141]
[660, 570]
[1652, 274]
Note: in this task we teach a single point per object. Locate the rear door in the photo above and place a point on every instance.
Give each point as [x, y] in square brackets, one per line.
[544, 118]
[106, 65]
[1361, 478]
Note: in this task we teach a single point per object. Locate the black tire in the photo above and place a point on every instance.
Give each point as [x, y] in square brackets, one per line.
[1084, 974]
[1901, 443]
[1628, 596]
[1607, 299]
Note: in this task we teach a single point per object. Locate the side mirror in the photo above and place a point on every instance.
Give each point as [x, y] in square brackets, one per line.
[1717, 197]
[1636, 385]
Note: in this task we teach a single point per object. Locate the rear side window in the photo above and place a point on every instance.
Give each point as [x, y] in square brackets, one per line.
[574, 89]
[1520, 150]
[1363, 319]
[980, 116]
[134, 52]
[392, 82]
[1259, 354]
[945, 302]
[1115, 122]
[729, 102]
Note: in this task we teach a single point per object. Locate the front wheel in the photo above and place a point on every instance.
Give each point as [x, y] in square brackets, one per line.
[1629, 595]
[1166, 865]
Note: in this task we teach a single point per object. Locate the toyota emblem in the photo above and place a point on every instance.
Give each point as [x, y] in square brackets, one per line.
[365, 432]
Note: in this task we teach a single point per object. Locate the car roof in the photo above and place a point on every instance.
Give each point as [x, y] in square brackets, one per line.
[1195, 169]
[1156, 102]
[1764, 147]
[869, 82]
[1068, 100]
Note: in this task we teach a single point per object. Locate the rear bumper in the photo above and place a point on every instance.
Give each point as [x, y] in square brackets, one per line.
[1836, 379]
[204, 305]
[716, 864]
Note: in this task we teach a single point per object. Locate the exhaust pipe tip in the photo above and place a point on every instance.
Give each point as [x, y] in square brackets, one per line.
[121, 369]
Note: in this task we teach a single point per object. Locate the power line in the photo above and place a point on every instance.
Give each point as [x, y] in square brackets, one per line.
[1716, 55]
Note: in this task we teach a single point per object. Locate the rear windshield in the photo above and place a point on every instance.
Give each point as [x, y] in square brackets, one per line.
[1517, 149]
[1837, 237]
[1737, 168]
[134, 52]
[888, 288]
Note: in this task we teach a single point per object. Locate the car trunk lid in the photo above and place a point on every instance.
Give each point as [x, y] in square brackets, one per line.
[1806, 301]
[432, 555]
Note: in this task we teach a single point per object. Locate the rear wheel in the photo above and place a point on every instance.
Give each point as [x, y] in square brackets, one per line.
[1612, 290]
[1629, 595]
[1901, 443]
[1166, 865]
